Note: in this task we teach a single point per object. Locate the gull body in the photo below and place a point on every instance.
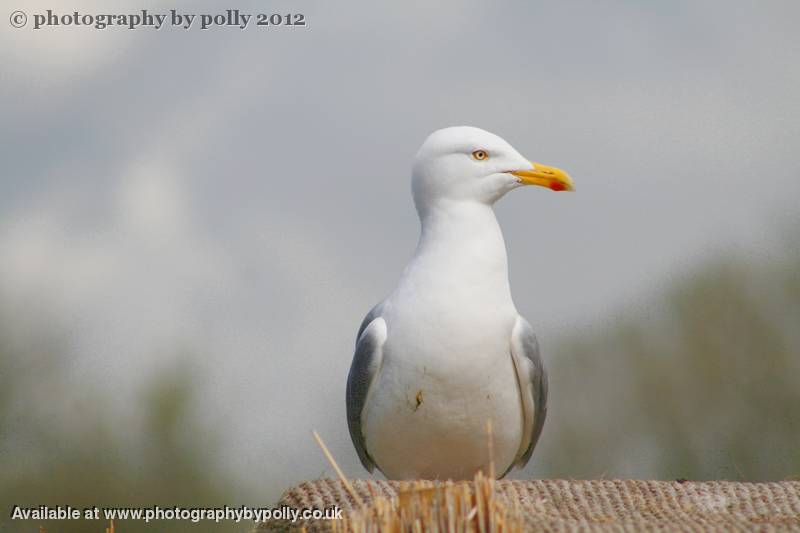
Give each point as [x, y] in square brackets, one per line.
[447, 350]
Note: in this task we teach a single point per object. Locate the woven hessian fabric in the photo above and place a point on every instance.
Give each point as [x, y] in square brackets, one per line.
[602, 505]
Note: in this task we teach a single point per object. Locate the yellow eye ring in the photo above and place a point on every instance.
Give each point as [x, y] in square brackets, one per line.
[480, 155]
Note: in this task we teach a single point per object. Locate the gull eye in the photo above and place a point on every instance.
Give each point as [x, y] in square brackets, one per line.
[480, 155]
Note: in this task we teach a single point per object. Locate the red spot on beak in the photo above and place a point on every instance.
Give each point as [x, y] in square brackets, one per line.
[556, 186]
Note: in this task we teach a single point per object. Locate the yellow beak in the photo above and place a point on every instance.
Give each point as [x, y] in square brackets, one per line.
[551, 177]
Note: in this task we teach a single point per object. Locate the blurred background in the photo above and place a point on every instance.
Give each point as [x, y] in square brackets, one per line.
[194, 223]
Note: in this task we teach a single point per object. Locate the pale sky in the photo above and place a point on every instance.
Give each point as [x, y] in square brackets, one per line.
[243, 195]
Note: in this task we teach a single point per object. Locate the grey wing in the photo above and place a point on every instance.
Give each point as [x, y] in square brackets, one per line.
[532, 379]
[374, 313]
[365, 366]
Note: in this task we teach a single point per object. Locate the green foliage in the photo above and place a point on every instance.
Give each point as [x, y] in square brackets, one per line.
[704, 385]
[64, 446]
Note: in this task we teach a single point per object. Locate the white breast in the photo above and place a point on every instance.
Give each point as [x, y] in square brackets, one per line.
[447, 367]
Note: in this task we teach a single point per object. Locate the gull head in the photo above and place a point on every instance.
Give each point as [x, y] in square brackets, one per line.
[463, 163]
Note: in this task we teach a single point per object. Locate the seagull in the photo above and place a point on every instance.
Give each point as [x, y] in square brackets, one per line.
[446, 352]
